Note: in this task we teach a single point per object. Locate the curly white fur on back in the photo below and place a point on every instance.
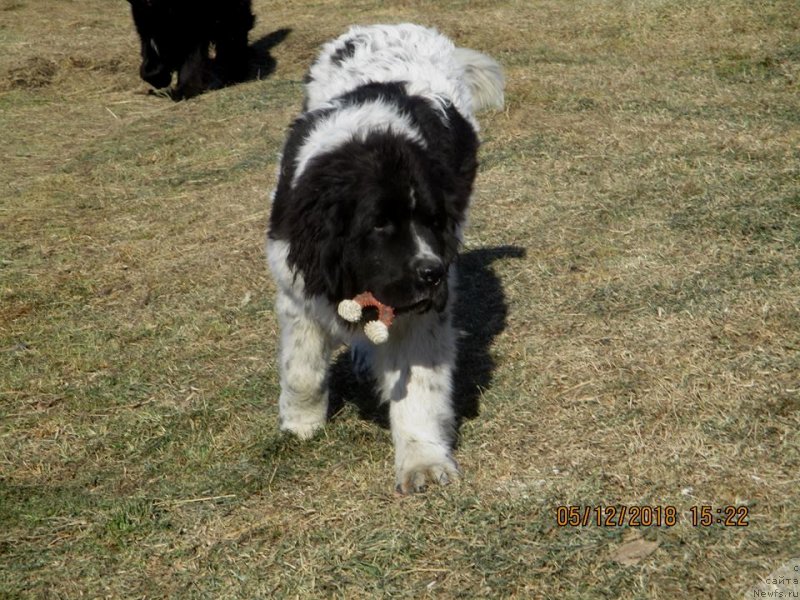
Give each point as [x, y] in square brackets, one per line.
[428, 62]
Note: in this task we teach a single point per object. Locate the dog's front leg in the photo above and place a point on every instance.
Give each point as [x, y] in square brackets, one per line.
[305, 352]
[193, 75]
[415, 375]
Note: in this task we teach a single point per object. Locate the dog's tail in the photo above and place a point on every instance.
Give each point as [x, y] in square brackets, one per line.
[484, 77]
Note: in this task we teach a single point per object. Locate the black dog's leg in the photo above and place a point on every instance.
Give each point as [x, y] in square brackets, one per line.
[193, 75]
[153, 70]
[232, 59]
[232, 54]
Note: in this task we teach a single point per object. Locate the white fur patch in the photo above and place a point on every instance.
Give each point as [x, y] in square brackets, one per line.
[423, 248]
[349, 123]
[419, 56]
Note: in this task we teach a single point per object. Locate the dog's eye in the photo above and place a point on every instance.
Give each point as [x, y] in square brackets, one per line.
[382, 225]
[435, 222]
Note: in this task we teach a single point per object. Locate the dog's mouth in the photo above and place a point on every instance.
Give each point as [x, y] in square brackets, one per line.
[420, 306]
[371, 313]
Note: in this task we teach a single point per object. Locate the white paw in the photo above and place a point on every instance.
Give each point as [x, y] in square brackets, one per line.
[303, 430]
[417, 469]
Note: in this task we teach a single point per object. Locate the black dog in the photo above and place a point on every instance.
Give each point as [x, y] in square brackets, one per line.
[176, 35]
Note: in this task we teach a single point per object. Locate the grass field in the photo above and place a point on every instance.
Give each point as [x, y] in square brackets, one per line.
[630, 296]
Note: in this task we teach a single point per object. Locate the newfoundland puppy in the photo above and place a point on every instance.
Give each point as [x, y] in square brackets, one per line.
[372, 194]
[176, 35]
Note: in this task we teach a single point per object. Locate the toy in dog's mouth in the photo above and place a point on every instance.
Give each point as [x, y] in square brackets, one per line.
[365, 306]
[376, 316]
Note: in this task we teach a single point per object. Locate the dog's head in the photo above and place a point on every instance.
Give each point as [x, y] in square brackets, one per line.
[380, 215]
[159, 33]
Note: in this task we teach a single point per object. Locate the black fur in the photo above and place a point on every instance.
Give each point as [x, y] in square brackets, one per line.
[346, 51]
[176, 35]
[349, 217]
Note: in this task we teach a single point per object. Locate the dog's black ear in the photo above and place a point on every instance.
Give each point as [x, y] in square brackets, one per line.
[305, 212]
[312, 215]
[463, 159]
[452, 150]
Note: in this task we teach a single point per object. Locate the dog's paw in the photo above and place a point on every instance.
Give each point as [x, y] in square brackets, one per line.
[303, 430]
[415, 475]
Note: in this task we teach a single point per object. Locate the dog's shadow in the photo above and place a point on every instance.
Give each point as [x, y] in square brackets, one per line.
[479, 316]
[261, 62]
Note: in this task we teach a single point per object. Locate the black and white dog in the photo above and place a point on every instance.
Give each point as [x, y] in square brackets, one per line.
[176, 35]
[372, 195]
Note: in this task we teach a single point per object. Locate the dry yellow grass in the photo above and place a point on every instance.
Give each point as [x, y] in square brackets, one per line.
[631, 309]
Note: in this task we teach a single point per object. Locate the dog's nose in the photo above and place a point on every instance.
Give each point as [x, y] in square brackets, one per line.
[430, 271]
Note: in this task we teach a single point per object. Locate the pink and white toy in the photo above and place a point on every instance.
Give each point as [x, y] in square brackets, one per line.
[352, 310]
